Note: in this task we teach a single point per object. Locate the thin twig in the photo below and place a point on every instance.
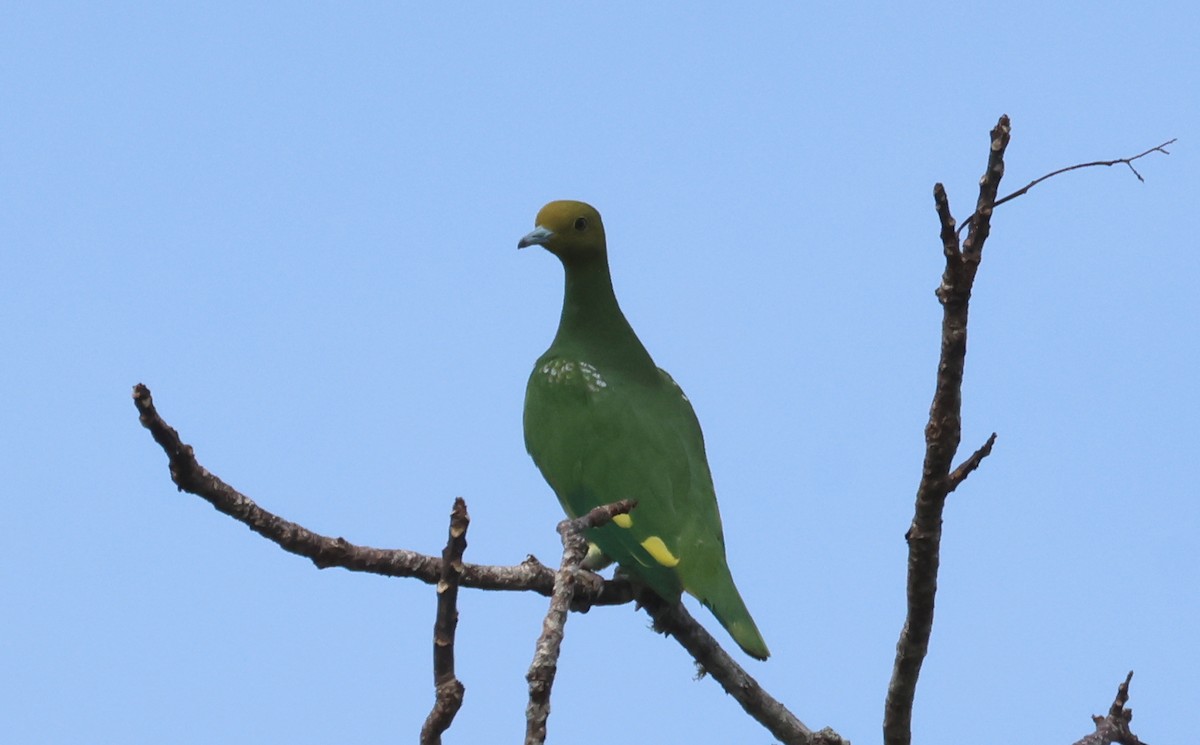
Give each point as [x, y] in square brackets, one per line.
[545, 656]
[326, 552]
[960, 474]
[1127, 161]
[1115, 726]
[448, 689]
[942, 436]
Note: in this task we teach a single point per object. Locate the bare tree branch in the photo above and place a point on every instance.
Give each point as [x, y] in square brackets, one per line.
[573, 589]
[1115, 726]
[942, 436]
[545, 656]
[1127, 161]
[673, 619]
[326, 552]
[448, 689]
[588, 589]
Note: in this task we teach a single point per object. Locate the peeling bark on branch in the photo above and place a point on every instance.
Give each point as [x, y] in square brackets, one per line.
[944, 429]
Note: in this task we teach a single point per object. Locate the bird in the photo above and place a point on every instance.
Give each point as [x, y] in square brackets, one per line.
[603, 423]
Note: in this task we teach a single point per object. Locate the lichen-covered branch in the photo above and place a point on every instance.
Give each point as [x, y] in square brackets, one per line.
[448, 689]
[545, 655]
[942, 435]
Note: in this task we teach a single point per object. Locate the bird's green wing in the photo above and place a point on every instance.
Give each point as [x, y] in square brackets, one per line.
[599, 437]
[593, 445]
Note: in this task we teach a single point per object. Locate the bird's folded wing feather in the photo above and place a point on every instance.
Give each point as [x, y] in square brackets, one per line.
[599, 438]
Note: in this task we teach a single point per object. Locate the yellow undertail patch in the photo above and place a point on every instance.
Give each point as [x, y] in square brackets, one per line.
[623, 521]
[657, 549]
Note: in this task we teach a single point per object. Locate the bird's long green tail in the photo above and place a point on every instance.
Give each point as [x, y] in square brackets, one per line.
[727, 605]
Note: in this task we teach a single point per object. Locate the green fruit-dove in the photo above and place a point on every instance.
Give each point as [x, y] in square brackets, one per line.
[604, 423]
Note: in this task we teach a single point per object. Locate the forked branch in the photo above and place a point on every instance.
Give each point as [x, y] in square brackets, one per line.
[943, 431]
[942, 435]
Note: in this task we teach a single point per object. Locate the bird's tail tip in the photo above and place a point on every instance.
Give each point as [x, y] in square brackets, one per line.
[725, 602]
[747, 636]
[733, 614]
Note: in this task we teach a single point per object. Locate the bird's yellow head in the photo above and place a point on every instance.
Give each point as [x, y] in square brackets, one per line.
[572, 231]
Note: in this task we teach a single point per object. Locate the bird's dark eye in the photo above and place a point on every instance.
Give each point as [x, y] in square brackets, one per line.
[581, 223]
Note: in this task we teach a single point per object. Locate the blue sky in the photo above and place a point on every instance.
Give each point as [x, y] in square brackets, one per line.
[297, 225]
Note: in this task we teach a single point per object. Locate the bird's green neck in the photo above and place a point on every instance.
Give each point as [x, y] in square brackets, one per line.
[593, 328]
